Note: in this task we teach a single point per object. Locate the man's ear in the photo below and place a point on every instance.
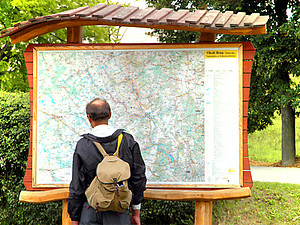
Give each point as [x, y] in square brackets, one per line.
[90, 120]
[92, 123]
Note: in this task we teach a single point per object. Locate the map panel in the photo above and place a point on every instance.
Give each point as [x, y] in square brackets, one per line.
[156, 95]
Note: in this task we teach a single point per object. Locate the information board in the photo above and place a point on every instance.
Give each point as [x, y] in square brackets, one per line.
[182, 104]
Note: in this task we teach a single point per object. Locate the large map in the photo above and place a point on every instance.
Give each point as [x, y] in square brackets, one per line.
[156, 95]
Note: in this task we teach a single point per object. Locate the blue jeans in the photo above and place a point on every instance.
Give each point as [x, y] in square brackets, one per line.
[89, 216]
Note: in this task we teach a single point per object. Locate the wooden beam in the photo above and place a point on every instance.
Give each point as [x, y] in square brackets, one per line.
[197, 195]
[31, 32]
[74, 35]
[207, 37]
[44, 196]
[155, 194]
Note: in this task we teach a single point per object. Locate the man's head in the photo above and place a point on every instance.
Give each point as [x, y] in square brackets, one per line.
[98, 112]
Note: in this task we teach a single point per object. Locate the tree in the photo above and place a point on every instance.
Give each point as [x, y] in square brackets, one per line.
[276, 63]
[12, 69]
[13, 73]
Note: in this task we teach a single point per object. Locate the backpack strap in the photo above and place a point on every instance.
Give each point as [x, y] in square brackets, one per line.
[100, 148]
[103, 152]
[119, 143]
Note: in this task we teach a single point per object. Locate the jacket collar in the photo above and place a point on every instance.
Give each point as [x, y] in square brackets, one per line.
[103, 139]
[104, 130]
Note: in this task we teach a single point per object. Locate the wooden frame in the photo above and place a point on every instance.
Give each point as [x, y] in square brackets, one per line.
[140, 46]
[203, 199]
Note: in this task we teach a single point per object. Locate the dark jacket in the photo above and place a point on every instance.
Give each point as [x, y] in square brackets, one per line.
[86, 158]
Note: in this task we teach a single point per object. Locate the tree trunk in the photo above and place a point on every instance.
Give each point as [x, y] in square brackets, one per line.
[288, 135]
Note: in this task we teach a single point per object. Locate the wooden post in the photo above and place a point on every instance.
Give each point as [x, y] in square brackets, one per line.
[203, 213]
[74, 35]
[65, 215]
[207, 37]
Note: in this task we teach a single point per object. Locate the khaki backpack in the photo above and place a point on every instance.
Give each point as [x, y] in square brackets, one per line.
[109, 189]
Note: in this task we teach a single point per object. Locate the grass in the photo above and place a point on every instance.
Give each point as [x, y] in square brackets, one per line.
[265, 145]
[270, 203]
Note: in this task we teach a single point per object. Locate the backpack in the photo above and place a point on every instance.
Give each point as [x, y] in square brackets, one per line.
[109, 189]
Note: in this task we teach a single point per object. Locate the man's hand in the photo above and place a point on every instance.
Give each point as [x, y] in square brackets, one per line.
[135, 217]
[75, 222]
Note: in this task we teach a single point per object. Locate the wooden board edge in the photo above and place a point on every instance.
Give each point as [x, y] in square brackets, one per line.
[44, 196]
[187, 195]
[170, 195]
[240, 54]
[136, 46]
[34, 119]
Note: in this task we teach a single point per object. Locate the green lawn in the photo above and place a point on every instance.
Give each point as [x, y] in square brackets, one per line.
[270, 203]
[265, 145]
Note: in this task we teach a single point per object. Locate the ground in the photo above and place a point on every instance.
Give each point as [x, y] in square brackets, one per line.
[277, 164]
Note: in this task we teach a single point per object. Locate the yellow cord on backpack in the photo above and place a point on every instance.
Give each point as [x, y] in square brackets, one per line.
[119, 143]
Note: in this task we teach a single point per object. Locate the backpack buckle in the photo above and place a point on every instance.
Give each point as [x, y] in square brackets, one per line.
[116, 187]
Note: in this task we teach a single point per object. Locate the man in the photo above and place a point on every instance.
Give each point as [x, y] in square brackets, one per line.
[85, 160]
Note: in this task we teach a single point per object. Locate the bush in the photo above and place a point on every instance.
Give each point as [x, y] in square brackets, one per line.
[14, 145]
[167, 212]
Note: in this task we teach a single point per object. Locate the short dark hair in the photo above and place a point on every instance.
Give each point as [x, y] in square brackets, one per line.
[98, 112]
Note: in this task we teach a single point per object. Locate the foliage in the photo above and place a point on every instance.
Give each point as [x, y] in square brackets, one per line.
[13, 73]
[15, 130]
[12, 67]
[31, 214]
[167, 212]
[14, 145]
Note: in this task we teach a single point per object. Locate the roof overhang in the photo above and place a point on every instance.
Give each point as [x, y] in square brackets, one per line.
[203, 21]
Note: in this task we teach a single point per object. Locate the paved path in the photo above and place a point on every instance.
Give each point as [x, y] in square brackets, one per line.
[276, 174]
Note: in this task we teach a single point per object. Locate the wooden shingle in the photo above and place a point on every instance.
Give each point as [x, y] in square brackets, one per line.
[106, 11]
[90, 11]
[223, 20]
[261, 21]
[196, 17]
[124, 13]
[177, 16]
[142, 14]
[159, 15]
[251, 19]
[209, 18]
[72, 12]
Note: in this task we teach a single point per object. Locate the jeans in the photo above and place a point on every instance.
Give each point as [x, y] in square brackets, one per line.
[89, 216]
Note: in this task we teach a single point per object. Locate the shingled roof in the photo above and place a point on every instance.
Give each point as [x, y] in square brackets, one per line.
[212, 21]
